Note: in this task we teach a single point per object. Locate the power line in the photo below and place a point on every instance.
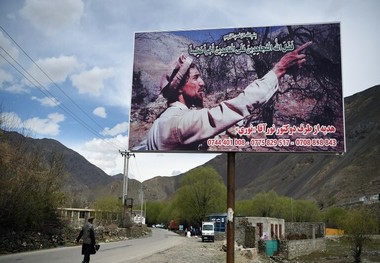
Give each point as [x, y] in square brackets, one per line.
[138, 171]
[52, 81]
[45, 92]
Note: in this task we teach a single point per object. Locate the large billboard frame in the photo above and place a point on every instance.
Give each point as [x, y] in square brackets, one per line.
[304, 113]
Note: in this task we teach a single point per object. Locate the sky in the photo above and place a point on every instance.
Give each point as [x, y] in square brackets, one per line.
[66, 66]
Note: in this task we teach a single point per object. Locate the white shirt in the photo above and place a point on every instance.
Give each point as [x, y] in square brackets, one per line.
[180, 128]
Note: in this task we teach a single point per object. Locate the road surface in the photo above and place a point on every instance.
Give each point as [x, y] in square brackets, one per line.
[116, 252]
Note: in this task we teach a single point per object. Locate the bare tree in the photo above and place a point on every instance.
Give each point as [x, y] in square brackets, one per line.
[359, 224]
[30, 185]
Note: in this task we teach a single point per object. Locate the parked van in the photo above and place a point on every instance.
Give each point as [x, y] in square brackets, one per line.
[208, 231]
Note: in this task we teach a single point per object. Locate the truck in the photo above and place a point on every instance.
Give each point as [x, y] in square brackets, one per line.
[208, 231]
[173, 225]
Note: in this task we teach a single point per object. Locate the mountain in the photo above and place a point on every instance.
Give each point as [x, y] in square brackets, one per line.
[320, 177]
[325, 178]
[84, 182]
[81, 177]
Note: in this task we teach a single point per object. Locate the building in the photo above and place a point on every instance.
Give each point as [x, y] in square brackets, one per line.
[267, 228]
[76, 216]
[220, 221]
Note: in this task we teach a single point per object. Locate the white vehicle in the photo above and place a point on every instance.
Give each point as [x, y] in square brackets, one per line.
[208, 231]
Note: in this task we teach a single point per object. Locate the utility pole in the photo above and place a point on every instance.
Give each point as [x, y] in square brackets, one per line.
[230, 207]
[126, 156]
[142, 203]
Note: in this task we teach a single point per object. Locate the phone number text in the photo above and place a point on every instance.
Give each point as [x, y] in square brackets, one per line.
[262, 142]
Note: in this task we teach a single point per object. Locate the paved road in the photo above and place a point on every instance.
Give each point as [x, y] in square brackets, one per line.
[117, 252]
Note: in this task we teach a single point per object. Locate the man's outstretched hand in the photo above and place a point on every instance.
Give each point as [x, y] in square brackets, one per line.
[291, 59]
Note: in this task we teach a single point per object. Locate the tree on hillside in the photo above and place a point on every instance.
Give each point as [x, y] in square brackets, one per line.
[306, 211]
[202, 192]
[153, 210]
[30, 185]
[168, 213]
[264, 204]
[269, 204]
[244, 208]
[333, 216]
[108, 208]
[160, 212]
[359, 225]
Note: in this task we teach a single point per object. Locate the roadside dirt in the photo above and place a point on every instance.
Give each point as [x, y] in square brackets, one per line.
[193, 250]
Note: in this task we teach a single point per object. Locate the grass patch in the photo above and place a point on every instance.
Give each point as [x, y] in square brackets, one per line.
[338, 251]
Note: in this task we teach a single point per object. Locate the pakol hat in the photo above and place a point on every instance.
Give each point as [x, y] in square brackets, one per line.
[175, 72]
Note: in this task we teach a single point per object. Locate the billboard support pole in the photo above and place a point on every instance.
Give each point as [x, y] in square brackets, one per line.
[230, 207]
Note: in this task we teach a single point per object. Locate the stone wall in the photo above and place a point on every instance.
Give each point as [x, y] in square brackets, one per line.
[304, 230]
[303, 238]
[245, 233]
[291, 249]
[12, 242]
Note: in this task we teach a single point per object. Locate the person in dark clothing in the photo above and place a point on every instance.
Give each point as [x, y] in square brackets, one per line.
[88, 235]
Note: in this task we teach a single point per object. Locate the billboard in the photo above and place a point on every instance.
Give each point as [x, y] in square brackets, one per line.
[254, 89]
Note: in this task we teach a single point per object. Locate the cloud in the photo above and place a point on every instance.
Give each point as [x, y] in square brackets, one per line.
[100, 112]
[47, 101]
[56, 68]
[106, 162]
[7, 50]
[8, 54]
[104, 153]
[121, 92]
[92, 81]
[47, 127]
[5, 77]
[16, 88]
[106, 145]
[50, 17]
[117, 129]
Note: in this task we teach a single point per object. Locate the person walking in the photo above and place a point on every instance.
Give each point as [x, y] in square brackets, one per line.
[88, 236]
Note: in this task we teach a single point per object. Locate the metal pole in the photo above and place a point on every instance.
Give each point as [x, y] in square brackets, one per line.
[230, 207]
